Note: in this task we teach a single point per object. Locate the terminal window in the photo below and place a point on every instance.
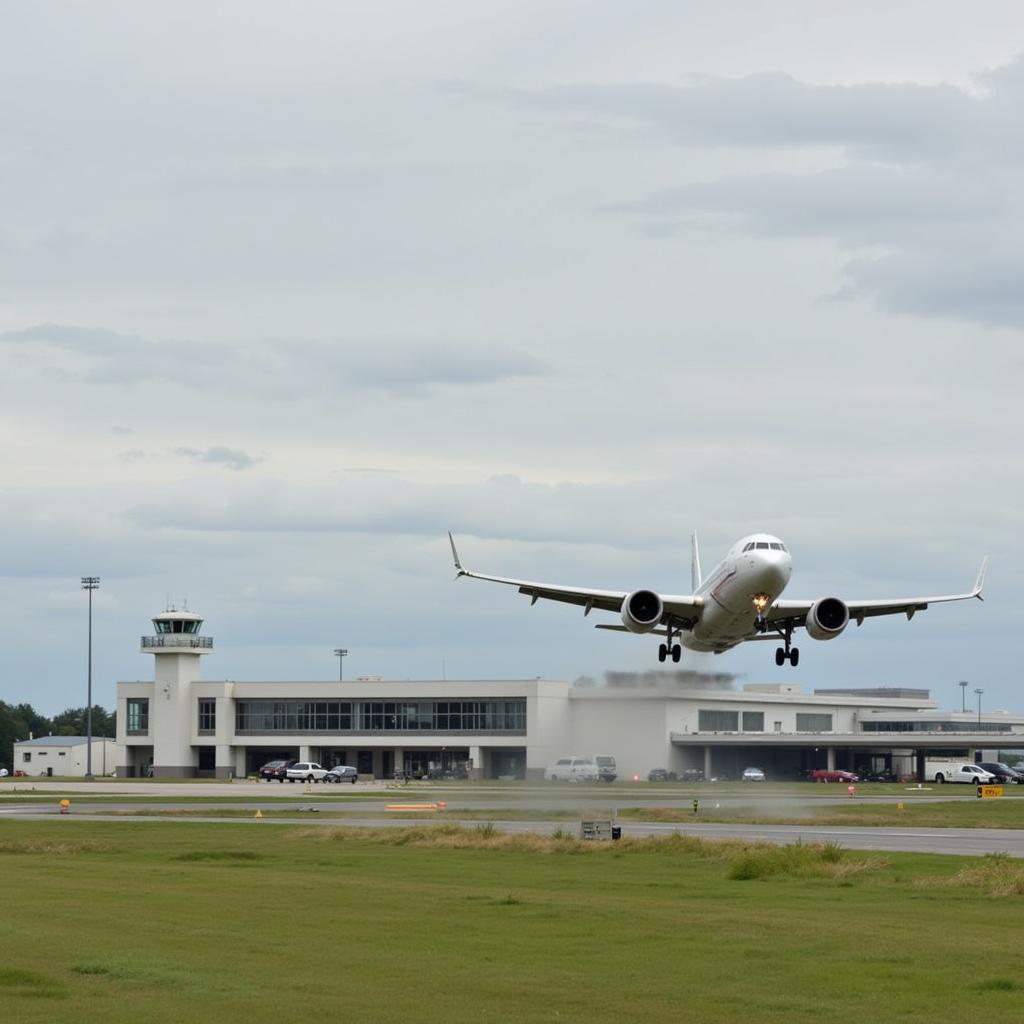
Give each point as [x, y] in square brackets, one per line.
[718, 721]
[753, 721]
[207, 715]
[138, 716]
[813, 723]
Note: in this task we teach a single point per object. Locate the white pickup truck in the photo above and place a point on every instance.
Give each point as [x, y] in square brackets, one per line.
[948, 770]
[305, 771]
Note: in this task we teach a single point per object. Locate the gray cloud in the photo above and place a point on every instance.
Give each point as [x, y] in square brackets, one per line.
[218, 455]
[272, 368]
[930, 175]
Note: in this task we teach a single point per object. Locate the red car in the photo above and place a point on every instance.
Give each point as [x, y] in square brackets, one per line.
[275, 770]
[833, 775]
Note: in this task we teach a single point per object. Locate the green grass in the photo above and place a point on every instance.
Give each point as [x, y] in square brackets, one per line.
[249, 923]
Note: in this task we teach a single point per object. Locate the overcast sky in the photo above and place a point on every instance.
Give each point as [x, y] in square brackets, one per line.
[288, 291]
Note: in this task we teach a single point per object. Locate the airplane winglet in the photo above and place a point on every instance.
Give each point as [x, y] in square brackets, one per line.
[459, 571]
[980, 581]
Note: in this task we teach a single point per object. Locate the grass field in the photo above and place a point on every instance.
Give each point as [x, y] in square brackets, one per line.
[223, 923]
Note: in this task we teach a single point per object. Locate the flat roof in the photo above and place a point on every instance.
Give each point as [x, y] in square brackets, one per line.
[59, 741]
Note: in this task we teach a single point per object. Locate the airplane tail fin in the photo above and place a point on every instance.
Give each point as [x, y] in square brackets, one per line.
[695, 577]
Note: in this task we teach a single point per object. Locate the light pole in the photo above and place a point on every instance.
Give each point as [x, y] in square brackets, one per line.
[979, 693]
[341, 653]
[89, 583]
[963, 695]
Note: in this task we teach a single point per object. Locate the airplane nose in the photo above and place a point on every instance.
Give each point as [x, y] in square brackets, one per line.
[777, 568]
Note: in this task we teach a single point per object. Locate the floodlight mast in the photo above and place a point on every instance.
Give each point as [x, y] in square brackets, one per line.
[341, 653]
[89, 583]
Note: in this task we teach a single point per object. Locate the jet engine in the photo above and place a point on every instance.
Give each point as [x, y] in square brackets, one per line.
[641, 611]
[827, 618]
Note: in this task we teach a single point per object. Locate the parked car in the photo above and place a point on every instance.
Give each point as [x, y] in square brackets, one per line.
[754, 775]
[606, 768]
[692, 775]
[275, 770]
[305, 771]
[574, 769]
[883, 775]
[3, 773]
[342, 773]
[661, 775]
[1002, 772]
[833, 775]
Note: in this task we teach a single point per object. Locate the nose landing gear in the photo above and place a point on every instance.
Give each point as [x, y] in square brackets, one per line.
[761, 602]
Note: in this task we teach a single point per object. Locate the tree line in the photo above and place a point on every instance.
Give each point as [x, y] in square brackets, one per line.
[18, 720]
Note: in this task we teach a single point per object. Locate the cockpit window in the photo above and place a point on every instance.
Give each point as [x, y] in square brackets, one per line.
[747, 547]
[762, 545]
[775, 547]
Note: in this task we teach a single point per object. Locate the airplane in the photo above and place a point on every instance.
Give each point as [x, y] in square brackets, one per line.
[738, 601]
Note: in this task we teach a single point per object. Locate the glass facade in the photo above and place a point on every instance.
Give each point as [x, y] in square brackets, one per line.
[138, 716]
[385, 716]
[935, 727]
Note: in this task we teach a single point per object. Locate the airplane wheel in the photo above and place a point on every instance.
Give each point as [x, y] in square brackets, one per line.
[662, 652]
[794, 657]
[780, 655]
[677, 653]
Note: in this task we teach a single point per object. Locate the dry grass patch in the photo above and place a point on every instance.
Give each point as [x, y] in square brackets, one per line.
[745, 860]
[51, 848]
[997, 874]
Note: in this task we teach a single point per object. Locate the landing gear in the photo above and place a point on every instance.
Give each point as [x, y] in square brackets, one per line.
[787, 653]
[793, 656]
[670, 648]
[664, 650]
[761, 603]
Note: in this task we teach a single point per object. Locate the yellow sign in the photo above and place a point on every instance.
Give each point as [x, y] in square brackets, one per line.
[989, 791]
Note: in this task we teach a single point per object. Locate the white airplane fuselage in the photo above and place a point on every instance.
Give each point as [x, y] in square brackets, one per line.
[754, 572]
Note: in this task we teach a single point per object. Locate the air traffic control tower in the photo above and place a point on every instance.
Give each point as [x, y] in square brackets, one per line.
[177, 647]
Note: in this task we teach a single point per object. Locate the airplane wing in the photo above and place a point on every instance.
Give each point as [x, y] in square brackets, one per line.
[795, 612]
[677, 608]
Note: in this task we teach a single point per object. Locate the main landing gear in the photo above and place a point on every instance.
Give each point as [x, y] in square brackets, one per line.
[666, 649]
[787, 653]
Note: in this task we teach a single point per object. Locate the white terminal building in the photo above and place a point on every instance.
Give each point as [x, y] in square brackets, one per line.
[180, 725]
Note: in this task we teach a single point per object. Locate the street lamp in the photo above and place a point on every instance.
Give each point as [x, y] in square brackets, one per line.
[979, 693]
[341, 653]
[963, 695]
[89, 583]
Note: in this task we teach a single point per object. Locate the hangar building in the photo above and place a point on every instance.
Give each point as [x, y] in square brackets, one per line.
[180, 725]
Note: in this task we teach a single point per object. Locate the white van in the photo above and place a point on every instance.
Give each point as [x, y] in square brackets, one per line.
[942, 769]
[574, 769]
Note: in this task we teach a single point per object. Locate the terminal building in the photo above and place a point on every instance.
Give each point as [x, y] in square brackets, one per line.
[179, 725]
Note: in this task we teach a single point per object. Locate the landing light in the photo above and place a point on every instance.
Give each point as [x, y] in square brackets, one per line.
[761, 601]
